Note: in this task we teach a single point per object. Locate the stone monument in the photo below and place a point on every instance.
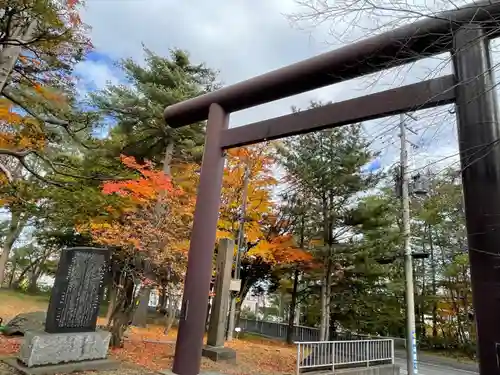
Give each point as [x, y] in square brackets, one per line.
[70, 341]
[215, 349]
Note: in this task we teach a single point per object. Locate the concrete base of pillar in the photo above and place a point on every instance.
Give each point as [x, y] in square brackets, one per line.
[217, 354]
[169, 372]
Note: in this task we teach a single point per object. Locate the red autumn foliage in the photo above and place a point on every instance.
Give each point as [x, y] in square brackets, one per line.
[146, 188]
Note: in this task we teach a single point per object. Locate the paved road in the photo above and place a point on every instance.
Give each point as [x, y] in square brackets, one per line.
[426, 368]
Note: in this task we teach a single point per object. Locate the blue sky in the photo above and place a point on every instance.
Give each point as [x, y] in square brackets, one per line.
[243, 39]
[98, 69]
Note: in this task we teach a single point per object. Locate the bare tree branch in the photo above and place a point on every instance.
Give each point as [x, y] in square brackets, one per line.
[48, 119]
[45, 36]
[21, 156]
[65, 124]
[53, 166]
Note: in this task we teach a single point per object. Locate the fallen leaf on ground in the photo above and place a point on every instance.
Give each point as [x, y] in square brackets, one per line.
[255, 356]
[9, 346]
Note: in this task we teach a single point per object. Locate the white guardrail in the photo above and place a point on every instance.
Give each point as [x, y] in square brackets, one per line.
[330, 355]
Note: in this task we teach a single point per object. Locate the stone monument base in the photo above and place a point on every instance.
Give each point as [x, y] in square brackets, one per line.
[52, 353]
[63, 368]
[41, 348]
[219, 353]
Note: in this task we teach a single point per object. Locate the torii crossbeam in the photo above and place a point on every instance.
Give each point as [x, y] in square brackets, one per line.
[465, 33]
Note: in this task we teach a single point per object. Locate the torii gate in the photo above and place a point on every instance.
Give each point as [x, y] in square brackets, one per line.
[465, 32]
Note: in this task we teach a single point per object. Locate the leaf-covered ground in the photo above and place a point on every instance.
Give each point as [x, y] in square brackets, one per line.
[151, 349]
[254, 355]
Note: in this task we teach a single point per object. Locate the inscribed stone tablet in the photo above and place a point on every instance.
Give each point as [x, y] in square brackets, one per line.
[78, 289]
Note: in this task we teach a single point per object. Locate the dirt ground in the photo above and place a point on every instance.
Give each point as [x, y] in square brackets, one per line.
[14, 303]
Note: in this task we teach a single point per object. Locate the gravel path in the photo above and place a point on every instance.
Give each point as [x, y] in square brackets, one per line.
[124, 369]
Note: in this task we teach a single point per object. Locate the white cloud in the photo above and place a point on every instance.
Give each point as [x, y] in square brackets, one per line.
[243, 39]
[240, 39]
[94, 75]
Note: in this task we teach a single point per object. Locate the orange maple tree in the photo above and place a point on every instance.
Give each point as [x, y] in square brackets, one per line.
[153, 217]
[155, 213]
[18, 132]
[271, 246]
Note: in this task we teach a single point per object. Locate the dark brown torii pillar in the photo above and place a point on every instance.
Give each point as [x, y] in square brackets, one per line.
[479, 145]
[477, 123]
[189, 343]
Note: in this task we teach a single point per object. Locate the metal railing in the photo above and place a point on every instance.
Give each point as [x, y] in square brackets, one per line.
[279, 330]
[331, 355]
[304, 333]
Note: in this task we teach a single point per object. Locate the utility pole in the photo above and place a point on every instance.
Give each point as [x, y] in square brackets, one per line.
[411, 338]
[241, 248]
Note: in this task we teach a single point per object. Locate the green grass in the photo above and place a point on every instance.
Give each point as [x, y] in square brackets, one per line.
[23, 296]
[35, 302]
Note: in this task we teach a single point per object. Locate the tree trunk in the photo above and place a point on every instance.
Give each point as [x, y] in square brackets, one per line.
[293, 304]
[122, 314]
[328, 299]
[33, 267]
[299, 275]
[112, 294]
[119, 325]
[22, 276]
[333, 327]
[33, 284]
[162, 301]
[170, 315]
[165, 302]
[281, 307]
[167, 161]
[17, 223]
[326, 284]
[13, 272]
[141, 312]
[10, 53]
[322, 326]
[238, 312]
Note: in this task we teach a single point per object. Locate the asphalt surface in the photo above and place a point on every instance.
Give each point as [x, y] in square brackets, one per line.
[432, 367]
